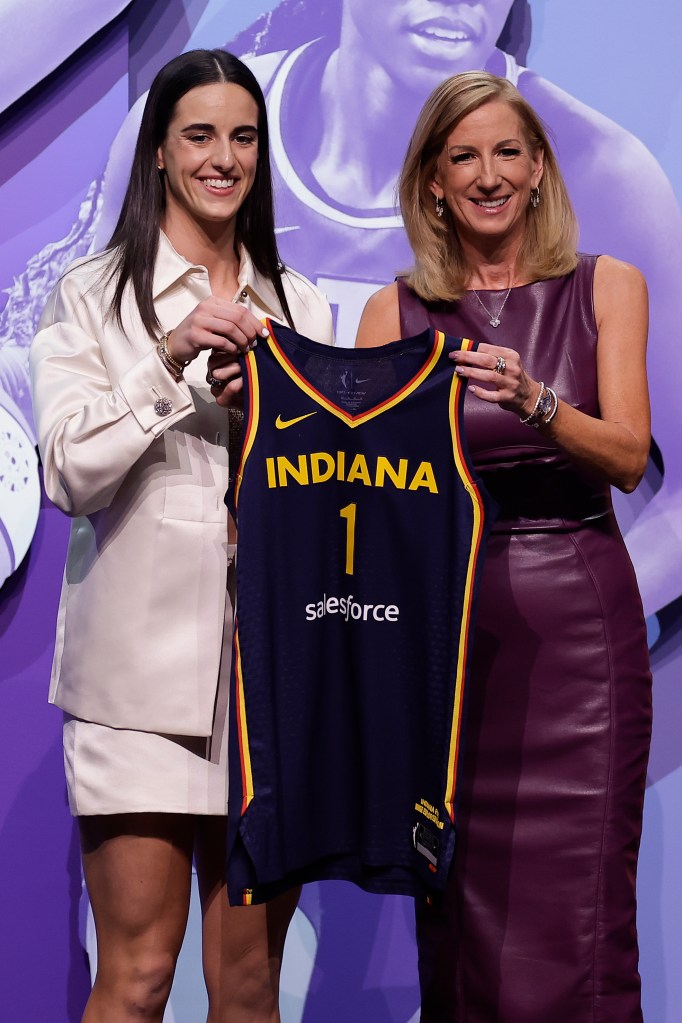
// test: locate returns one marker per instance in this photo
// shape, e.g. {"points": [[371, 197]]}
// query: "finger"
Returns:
{"points": [[222, 375], [237, 342], [220, 360], [236, 316], [231, 394], [493, 396], [481, 373], [234, 329], [462, 360], [485, 349], [490, 364], [471, 359], [229, 372], [228, 337], [202, 335]]}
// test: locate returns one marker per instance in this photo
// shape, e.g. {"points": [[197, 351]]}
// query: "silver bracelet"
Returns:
{"points": [[532, 418], [555, 405]]}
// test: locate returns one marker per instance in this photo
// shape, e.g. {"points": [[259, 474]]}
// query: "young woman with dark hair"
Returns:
{"points": [[136, 450], [136, 236]]}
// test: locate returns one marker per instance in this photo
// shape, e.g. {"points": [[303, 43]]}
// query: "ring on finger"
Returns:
{"points": [[213, 381], [500, 365]]}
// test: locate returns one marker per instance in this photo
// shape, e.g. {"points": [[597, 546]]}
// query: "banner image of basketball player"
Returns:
{"points": [[344, 81], [35, 41]]}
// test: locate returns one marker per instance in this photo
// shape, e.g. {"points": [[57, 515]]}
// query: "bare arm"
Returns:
{"points": [[380, 320], [615, 446]]}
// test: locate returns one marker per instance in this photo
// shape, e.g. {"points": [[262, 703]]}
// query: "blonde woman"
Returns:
{"points": [[538, 922]]}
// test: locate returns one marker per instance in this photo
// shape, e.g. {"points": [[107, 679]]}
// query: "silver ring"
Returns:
{"points": [[214, 382], [500, 365]]}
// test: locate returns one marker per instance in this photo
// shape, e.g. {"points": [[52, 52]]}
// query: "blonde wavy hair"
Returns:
{"points": [[440, 272]]}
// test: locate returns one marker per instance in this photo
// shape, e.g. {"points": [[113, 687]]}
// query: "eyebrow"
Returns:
{"points": [[502, 142], [211, 127]]}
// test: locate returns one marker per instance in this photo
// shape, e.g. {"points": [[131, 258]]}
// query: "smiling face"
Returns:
{"points": [[485, 173], [424, 41], [209, 155]]}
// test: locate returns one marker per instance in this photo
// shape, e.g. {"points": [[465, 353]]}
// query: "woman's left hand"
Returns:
{"points": [[224, 368], [497, 375]]}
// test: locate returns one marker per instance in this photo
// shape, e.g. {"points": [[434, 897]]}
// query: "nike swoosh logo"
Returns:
{"points": [[282, 424], [363, 381]]}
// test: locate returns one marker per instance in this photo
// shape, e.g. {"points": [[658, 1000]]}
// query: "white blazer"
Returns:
{"points": [[143, 600]]}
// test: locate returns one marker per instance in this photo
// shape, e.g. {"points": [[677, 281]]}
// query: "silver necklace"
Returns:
{"points": [[494, 320]]}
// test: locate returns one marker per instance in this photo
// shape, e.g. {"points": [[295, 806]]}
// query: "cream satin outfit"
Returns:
{"points": [[144, 624]]}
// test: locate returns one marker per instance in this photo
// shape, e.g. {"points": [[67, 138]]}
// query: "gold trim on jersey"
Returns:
{"points": [[468, 595], [361, 417]]}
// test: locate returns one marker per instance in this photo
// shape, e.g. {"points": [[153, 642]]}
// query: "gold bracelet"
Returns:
{"points": [[172, 369], [171, 363], [163, 349]]}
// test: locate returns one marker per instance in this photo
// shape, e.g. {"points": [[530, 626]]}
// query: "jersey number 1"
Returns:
{"points": [[348, 513]]}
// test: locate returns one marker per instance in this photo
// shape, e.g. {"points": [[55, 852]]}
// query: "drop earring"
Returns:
{"points": [[535, 197], [440, 207]]}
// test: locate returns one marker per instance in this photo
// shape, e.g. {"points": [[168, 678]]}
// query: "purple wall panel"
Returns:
{"points": [[43, 970]]}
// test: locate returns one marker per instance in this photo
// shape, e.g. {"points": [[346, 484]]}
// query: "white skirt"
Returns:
{"points": [[118, 770]]}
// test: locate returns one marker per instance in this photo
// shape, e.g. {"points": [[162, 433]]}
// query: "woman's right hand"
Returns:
{"points": [[215, 324]]}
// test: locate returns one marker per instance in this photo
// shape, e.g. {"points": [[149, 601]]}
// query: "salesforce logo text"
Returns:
{"points": [[351, 610]]}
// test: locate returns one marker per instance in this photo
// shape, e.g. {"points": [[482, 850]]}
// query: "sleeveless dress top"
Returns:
{"points": [[538, 923]]}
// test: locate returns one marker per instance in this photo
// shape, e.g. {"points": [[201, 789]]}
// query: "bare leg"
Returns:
{"points": [[243, 945], [138, 872]]}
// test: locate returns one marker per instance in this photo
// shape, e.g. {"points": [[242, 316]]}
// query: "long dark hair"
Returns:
{"points": [[294, 22], [136, 236]]}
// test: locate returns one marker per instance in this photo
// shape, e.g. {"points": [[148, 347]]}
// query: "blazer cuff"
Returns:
{"points": [[156, 400]]}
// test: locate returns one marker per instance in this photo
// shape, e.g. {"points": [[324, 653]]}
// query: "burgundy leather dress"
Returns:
{"points": [[538, 924]]}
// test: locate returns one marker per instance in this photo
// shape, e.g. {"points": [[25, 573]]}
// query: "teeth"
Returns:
{"points": [[490, 203], [453, 35], [219, 182]]}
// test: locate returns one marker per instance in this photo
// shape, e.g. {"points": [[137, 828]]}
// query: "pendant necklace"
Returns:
{"points": [[494, 321]]}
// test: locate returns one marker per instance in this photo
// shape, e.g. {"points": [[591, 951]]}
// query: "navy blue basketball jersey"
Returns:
{"points": [[361, 532]]}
